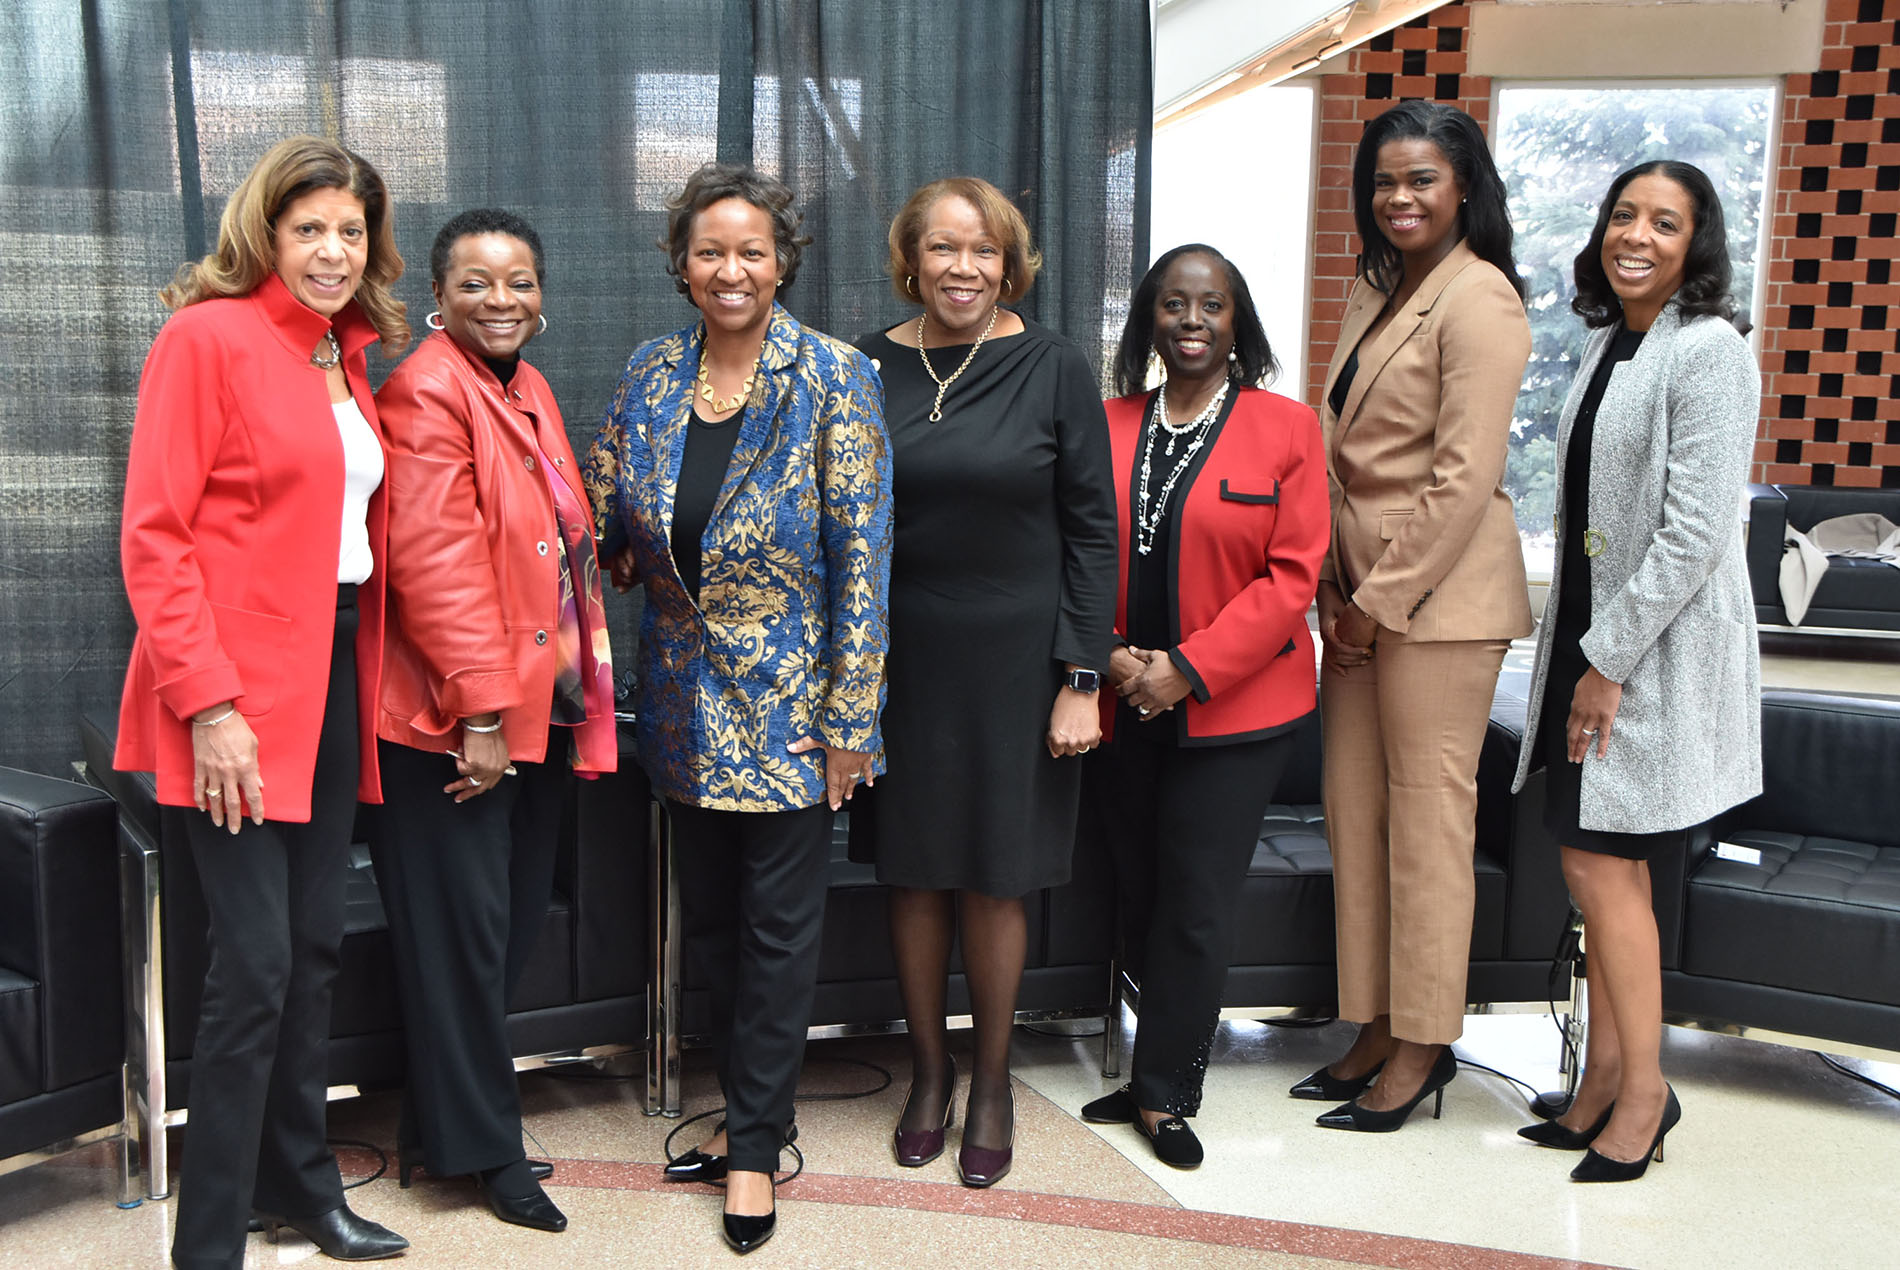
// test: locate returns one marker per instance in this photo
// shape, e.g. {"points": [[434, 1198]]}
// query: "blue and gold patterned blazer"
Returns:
{"points": [[789, 637]]}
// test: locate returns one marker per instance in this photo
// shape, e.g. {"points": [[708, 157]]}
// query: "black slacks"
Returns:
{"points": [[466, 887], [260, 1065], [1181, 824], [753, 890]]}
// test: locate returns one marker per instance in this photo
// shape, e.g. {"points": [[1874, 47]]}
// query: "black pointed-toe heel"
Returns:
{"points": [[1548, 1133], [1323, 1086], [1116, 1108], [915, 1148], [532, 1208], [408, 1160], [1361, 1120], [340, 1234], [1601, 1168], [745, 1233], [697, 1165]]}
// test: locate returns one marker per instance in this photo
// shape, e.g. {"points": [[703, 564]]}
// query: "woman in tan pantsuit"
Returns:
{"points": [[1421, 594]]}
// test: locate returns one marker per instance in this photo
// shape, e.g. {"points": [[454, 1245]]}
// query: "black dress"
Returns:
{"points": [[1563, 780], [1002, 569]]}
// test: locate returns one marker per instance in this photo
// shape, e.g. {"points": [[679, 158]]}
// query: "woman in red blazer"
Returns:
{"points": [[496, 685], [252, 547], [1222, 509]]}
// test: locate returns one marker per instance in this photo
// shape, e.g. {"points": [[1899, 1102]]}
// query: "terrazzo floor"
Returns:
{"points": [[1780, 1161]]}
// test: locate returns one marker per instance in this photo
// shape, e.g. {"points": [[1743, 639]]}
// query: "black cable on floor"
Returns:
{"points": [[1297, 1023], [382, 1159], [666, 1148], [1033, 1030], [1851, 1074], [1465, 1062]]}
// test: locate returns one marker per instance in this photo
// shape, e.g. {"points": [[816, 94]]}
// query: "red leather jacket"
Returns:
{"points": [[474, 552], [233, 519]]}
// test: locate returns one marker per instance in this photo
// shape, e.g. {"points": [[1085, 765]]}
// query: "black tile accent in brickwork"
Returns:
{"points": [[1878, 272], [1827, 431], [1881, 225], [1824, 84], [1845, 248], [1873, 318], [1854, 154], [1445, 88], [1380, 43], [1813, 180], [1847, 202], [1859, 106], [1866, 409], [1793, 406], [1867, 362], [1788, 451], [1412, 62], [1871, 10], [1834, 340], [1821, 474], [1801, 317], [1450, 39], [1807, 271], [1860, 453], [1890, 478], [1806, 224], [1887, 178], [1866, 58], [1893, 432], [1840, 294], [1795, 361], [1830, 385], [1378, 87], [1820, 132]]}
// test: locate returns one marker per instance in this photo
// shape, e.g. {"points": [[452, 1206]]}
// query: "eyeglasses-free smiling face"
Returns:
{"points": [[732, 268], [490, 296], [959, 269], [322, 247], [1416, 197], [1646, 246], [1194, 317]]}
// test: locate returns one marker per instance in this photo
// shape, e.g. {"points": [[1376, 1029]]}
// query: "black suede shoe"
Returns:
{"points": [[1323, 1086], [1364, 1120], [1115, 1108], [516, 1197], [1549, 1133], [340, 1234], [1173, 1142]]}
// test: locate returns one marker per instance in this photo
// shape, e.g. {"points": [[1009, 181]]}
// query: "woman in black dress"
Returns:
{"points": [[1002, 596]]}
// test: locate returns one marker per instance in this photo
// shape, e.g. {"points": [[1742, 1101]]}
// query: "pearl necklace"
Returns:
{"points": [[1148, 518], [943, 385]]}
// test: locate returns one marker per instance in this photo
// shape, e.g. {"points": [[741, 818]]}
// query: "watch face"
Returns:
{"points": [[1085, 680]]}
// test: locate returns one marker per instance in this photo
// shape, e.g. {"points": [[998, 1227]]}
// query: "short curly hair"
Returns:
{"points": [[475, 222], [1021, 260], [716, 182]]}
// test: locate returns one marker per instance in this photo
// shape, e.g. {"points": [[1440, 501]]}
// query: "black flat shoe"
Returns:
{"points": [[532, 1209], [743, 1233], [1323, 1086], [1601, 1168], [1361, 1120], [409, 1159], [1548, 1133], [1116, 1108], [1173, 1142], [340, 1234]]}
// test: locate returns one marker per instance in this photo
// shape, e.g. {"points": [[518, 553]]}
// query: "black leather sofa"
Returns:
{"points": [[1854, 595], [1803, 947], [61, 1023], [583, 993], [1284, 956]]}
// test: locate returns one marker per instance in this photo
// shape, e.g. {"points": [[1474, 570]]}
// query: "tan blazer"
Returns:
{"points": [[1424, 539]]}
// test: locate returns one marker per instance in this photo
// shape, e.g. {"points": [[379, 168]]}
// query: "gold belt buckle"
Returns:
{"points": [[1594, 542]]}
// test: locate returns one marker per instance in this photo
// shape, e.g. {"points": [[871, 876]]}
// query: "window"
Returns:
{"points": [[1558, 148]]}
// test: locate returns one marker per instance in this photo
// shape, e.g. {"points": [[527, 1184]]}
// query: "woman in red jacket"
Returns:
{"points": [[1223, 519], [252, 547], [496, 685]]}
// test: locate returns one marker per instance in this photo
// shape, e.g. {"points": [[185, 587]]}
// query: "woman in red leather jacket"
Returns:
{"points": [[1222, 506], [252, 547], [496, 685]]}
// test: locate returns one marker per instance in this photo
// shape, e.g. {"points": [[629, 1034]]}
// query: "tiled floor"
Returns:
{"points": [[1779, 1161]]}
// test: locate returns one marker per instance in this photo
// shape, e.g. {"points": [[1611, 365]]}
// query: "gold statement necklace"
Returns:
{"points": [[722, 404], [943, 385]]}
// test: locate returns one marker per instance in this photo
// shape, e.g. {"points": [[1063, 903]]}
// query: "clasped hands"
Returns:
{"points": [[1347, 632], [1147, 679]]}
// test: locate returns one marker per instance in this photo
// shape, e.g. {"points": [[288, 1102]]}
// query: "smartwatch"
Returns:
{"points": [[1083, 680]]}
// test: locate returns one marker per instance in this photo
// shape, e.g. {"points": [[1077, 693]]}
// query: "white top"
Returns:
{"points": [[362, 473]]}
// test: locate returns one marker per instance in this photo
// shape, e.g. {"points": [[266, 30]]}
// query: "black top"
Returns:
{"points": [[703, 466], [1003, 566], [504, 367], [1576, 491], [1342, 387]]}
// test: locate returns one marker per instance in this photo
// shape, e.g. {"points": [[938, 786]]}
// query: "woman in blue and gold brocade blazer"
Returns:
{"points": [[742, 475]]}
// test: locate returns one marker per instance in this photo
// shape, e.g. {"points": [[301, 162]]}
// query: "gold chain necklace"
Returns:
{"points": [[722, 404], [943, 385]]}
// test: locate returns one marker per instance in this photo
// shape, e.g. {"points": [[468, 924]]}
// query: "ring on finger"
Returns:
{"points": [[213, 791], [474, 782]]}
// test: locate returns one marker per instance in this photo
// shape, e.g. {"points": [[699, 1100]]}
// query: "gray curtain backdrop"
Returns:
{"points": [[126, 124]]}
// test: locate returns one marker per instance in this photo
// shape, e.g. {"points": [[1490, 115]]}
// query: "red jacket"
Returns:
{"points": [[229, 541], [1249, 539], [474, 552]]}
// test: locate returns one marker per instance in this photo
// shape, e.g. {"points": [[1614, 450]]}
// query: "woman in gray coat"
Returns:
{"points": [[1645, 697]]}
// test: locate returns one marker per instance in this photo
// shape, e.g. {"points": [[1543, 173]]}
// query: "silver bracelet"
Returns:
{"points": [[481, 731], [208, 723]]}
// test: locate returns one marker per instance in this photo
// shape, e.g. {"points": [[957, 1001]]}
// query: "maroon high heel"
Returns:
{"points": [[979, 1167], [917, 1147]]}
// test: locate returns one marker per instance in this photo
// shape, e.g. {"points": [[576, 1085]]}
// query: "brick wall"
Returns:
{"points": [[1830, 352]]}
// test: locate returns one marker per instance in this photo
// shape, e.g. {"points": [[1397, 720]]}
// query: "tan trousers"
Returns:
{"points": [[1402, 736]]}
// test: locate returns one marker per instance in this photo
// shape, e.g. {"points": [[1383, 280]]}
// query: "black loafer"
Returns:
{"points": [[340, 1234], [1174, 1142], [1115, 1108]]}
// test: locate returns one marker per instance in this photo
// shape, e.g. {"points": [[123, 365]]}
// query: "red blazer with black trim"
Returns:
{"points": [[1252, 530], [232, 525]]}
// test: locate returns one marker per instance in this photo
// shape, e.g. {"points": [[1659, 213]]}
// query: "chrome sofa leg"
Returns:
{"points": [[1112, 1023], [663, 984]]}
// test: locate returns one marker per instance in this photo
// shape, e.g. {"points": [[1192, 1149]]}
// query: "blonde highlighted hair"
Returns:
{"points": [[1005, 224], [247, 250]]}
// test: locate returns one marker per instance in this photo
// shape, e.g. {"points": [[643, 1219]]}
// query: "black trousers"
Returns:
{"points": [[1181, 824], [466, 887], [260, 1064], [753, 891]]}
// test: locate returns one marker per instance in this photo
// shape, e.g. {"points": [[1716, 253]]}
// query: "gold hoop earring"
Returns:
{"points": [[910, 287], [1005, 284]]}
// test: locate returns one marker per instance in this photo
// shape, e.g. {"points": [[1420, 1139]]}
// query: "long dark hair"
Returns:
{"points": [[1253, 356], [1706, 273], [1487, 219]]}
